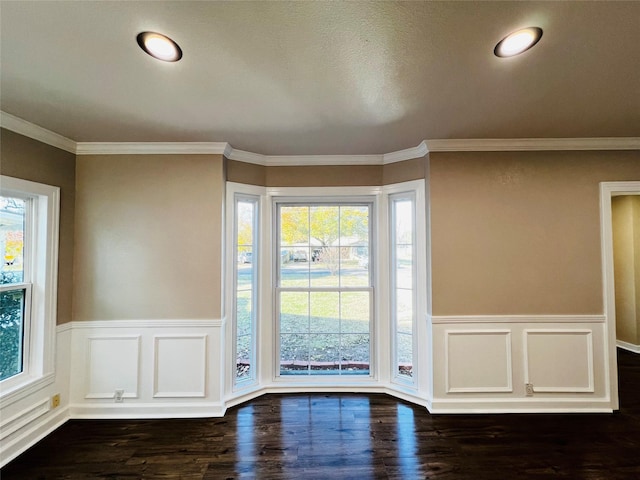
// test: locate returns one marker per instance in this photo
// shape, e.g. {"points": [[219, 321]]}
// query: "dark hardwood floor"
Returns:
{"points": [[339, 436]]}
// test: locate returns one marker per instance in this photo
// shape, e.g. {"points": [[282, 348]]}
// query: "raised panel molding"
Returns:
{"points": [[180, 366], [24, 418], [559, 360], [113, 363], [468, 368]]}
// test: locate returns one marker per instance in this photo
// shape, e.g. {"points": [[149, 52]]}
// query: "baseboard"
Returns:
{"points": [[146, 410], [32, 435], [409, 397], [628, 346], [523, 405]]}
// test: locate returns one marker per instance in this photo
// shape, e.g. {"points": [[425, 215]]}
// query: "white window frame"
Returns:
{"points": [[41, 282], [416, 190], [267, 368], [396, 377], [234, 388], [327, 199], [251, 379]]}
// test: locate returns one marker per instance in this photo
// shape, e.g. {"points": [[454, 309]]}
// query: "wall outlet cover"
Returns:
{"points": [[118, 396]]}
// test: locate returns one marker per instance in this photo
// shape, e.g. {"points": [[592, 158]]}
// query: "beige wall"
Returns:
{"points": [[149, 232], [414, 169], [326, 176], [626, 257], [28, 159], [519, 232]]}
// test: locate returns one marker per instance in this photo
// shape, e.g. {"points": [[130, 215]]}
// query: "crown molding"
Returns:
{"points": [[308, 160], [28, 129], [311, 160], [532, 144], [303, 160], [246, 157], [407, 154], [150, 148], [31, 130]]}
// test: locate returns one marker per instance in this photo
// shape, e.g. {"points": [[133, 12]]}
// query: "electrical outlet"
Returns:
{"points": [[118, 396], [528, 389], [55, 401]]}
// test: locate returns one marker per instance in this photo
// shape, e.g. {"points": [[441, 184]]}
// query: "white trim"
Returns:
{"points": [[447, 381], [247, 157], [608, 190], [27, 439], [455, 319], [160, 323], [30, 130], [22, 391], [64, 327], [23, 418], [236, 197], [628, 346], [322, 160], [299, 160], [156, 370], [590, 388], [142, 148], [407, 154], [88, 363], [339, 193], [304, 160], [532, 144], [43, 220], [99, 411], [230, 387], [474, 407]]}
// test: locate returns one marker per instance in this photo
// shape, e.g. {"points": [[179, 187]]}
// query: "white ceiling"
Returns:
{"points": [[320, 78]]}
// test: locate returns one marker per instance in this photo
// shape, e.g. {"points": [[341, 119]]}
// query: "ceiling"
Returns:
{"points": [[320, 78]]}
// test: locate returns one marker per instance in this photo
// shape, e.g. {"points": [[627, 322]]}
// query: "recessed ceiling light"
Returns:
{"points": [[159, 46], [518, 42]]}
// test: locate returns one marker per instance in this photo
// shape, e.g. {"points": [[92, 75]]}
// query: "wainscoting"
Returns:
{"points": [[175, 369], [147, 369], [30, 416], [520, 364]]}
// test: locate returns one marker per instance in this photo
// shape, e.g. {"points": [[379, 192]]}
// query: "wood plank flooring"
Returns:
{"points": [[348, 436]]}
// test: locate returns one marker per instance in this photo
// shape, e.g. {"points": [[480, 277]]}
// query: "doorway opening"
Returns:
{"points": [[609, 191]]}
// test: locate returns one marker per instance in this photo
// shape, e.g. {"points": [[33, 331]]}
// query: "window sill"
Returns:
{"points": [[22, 390]]}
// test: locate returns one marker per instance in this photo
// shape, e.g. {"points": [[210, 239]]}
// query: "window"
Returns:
{"points": [[15, 285], [324, 290], [325, 287], [246, 292], [28, 278], [403, 283]]}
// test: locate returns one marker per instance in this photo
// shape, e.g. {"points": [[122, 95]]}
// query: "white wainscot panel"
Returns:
{"points": [[113, 364], [180, 366], [559, 360], [478, 361]]}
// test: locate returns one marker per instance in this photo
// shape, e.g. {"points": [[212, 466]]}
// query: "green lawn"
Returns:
{"points": [[319, 326]]}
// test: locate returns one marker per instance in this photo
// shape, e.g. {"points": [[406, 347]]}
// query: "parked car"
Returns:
{"points": [[300, 256], [245, 257]]}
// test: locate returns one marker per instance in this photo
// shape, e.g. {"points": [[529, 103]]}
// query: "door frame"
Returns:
{"points": [[608, 190]]}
